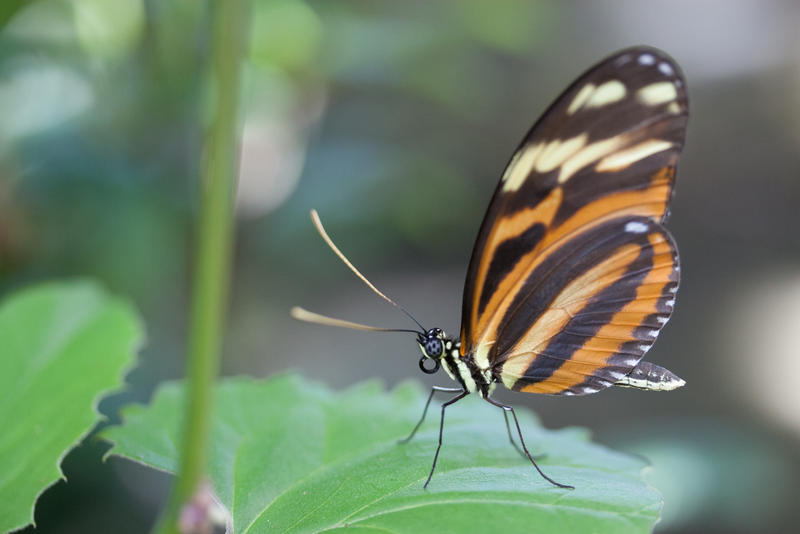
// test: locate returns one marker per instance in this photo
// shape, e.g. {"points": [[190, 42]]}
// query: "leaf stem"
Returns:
{"points": [[214, 241]]}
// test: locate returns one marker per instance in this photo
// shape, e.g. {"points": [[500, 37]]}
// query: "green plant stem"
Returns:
{"points": [[213, 253], [10, 8]]}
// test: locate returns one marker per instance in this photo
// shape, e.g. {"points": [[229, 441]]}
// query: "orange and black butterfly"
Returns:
{"points": [[573, 274]]}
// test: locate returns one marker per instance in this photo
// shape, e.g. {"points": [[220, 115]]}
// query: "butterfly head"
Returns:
{"points": [[431, 343]]}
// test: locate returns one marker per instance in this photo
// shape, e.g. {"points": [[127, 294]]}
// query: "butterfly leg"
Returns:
{"points": [[455, 399], [514, 443], [434, 389], [522, 441], [511, 437]]}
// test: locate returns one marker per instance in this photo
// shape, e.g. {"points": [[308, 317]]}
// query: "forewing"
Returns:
{"points": [[604, 151]]}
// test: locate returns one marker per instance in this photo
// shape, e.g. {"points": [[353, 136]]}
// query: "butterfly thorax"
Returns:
{"points": [[461, 368]]}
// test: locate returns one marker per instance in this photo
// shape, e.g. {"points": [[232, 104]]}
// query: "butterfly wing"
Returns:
{"points": [[572, 275]]}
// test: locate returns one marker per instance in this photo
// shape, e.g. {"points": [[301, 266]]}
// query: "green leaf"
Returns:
{"points": [[61, 346], [288, 455]]}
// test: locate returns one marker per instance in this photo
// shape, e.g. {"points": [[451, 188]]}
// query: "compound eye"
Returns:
{"points": [[433, 347]]}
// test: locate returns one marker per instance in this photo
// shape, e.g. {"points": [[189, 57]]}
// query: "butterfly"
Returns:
{"points": [[573, 274]]}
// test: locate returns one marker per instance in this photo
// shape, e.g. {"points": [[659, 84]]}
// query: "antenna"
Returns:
{"points": [[318, 224], [310, 317]]}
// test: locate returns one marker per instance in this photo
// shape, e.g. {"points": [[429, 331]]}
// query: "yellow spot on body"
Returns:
{"points": [[657, 93], [520, 167], [624, 158], [608, 93], [580, 99], [482, 355], [674, 108], [588, 155]]}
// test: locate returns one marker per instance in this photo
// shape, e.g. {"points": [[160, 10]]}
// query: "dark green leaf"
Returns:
{"points": [[292, 456]]}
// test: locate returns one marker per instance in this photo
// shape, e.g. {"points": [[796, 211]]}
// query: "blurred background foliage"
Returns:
{"points": [[394, 120]]}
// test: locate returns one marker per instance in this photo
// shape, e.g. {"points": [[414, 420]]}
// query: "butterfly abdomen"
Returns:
{"points": [[651, 377]]}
